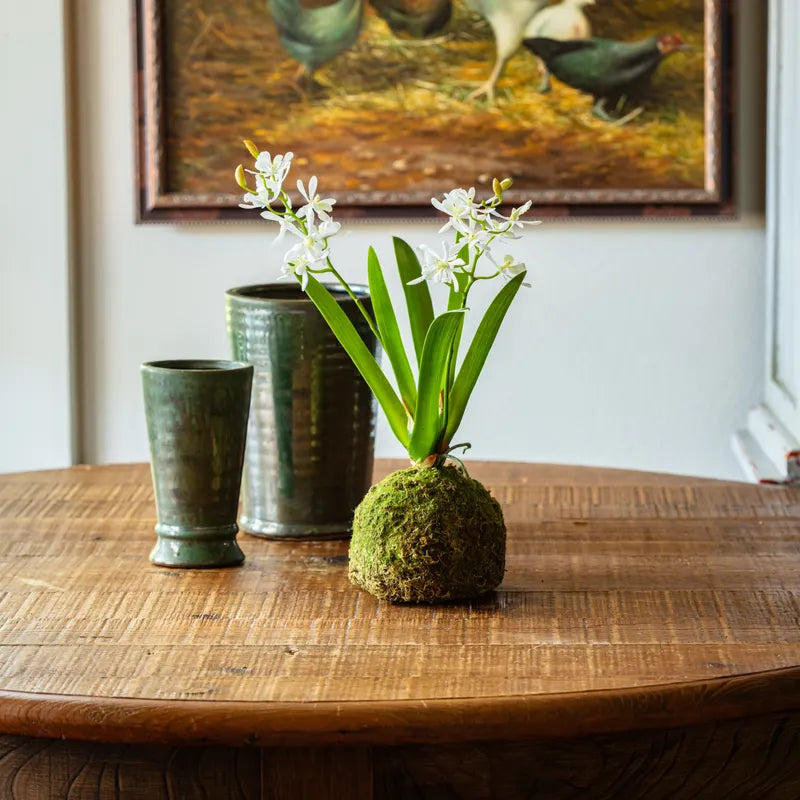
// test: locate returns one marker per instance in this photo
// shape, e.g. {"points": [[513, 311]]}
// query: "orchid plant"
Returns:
{"points": [[426, 409]]}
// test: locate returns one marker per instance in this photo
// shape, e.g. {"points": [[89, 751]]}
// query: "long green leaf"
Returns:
{"points": [[346, 333], [390, 332], [428, 423], [418, 296], [477, 354]]}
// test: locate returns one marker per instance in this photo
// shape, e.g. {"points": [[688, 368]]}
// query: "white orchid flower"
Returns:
{"points": [[314, 203], [274, 170], [509, 267], [265, 194], [473, 234], [516, 213], [440, 268], [269, 175], [459, 205], [286, 223], [313, 239], [328, 228], [506, 226], [298, 261]]}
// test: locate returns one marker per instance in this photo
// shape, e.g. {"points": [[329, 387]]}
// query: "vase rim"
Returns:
{"points": [[289, 293], [196, 365]]}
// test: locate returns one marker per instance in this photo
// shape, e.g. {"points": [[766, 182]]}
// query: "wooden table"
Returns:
{"points": [[645, 643]]}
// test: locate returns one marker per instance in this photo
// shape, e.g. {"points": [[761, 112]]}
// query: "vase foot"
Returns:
{"points": [[205, 548]]}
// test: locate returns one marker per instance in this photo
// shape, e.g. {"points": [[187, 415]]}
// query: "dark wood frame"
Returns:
{"points": [[156, 204]]}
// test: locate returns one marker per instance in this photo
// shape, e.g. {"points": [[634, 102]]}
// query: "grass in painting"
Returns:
{"points": [[392, 115]]}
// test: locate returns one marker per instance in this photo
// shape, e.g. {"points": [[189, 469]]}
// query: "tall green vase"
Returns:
{"points": [[312, 425]]}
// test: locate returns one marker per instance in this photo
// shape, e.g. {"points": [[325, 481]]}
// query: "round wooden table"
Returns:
{"points": [[644, 643]]}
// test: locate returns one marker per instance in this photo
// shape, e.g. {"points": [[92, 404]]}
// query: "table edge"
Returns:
{"points": [[516, 717]]}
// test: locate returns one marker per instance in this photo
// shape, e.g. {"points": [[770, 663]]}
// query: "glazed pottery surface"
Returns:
{"points": [[197, 422], [312, 425]]}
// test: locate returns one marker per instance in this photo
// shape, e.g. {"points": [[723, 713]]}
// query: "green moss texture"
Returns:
{"points": [[428, 535]]}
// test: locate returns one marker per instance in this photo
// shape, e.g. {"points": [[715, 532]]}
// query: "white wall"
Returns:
{"points": [[640, 345], [35, 385]]}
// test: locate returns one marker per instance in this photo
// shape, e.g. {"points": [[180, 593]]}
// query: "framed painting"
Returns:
{"points": [[593, 107]]}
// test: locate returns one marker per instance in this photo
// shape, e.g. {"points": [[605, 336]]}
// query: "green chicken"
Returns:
{"points": [[313, 36]]}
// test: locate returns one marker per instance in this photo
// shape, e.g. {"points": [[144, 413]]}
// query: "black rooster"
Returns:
{"points": [[416, 18], [612, 72]]}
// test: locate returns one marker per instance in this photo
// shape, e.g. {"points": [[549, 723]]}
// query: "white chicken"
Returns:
{"points": [[508, 20], [566, 20]]}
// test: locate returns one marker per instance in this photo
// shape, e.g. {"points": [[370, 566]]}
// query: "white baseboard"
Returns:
{"points": [[765, 450]]}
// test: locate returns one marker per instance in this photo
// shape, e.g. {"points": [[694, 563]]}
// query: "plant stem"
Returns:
{"points": [[470, 282], [358, 303], [441, 445], [289, 212]]}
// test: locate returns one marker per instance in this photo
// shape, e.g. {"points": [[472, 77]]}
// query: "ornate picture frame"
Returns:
{"points": [[212, 72]]}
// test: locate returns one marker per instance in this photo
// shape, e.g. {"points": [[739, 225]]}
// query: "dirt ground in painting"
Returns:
{"points": [[392, 114]]}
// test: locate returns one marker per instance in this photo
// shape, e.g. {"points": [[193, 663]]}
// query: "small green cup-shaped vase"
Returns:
{"points": [[197, 424]]}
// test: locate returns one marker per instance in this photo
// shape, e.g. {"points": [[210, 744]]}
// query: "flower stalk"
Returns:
{"points": [[428, 403]]}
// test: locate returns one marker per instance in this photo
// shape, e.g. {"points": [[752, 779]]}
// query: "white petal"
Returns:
{"points": [[264, 162], [329, 228], [522, 209]]}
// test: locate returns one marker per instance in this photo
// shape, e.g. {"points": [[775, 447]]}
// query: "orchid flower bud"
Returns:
{"points": [[240, 178], [251, 148]]}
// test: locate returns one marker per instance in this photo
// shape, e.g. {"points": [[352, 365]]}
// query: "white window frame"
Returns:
{"points": [[768, 448]]}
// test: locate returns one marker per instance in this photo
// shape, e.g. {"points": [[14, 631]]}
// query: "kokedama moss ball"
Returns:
{"points": [[428, 534]]}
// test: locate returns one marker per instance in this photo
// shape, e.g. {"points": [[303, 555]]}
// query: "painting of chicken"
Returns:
{"points": [[610, 104], [612, 72], [312, 36], [565, 21], [417, 18]]}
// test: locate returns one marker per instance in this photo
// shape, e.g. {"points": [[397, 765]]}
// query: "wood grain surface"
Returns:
{"points": [[756, 761], [630, 601]]}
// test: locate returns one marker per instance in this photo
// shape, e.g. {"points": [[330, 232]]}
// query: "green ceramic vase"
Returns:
{"points": [[197, 424], [311, 433]]}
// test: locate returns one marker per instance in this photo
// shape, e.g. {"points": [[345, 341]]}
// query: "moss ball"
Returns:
{"points": [[427, 535]]}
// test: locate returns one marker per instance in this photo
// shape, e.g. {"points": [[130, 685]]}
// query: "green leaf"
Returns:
{"points": [[365, 362], [390, 332], [428, 423], [418, 296], [477, 354]]}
